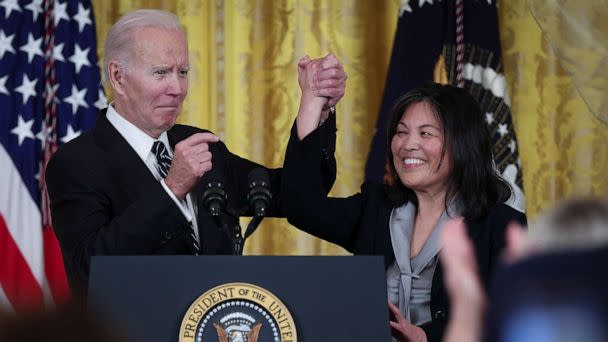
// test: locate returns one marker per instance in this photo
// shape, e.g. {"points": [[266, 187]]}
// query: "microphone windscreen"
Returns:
{"points": [[214, 195]]}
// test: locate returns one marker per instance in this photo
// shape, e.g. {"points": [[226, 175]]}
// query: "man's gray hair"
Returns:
{"points": [[119, 42], [574, 224]]}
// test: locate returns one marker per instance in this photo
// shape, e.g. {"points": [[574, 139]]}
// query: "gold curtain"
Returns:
{"points": [[243, 82], [556, 64]]}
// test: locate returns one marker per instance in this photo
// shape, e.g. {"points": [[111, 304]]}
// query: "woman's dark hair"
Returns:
{"points": [[466, 136]]}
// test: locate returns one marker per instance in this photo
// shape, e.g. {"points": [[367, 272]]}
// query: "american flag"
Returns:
{"points": [[49, 93]]}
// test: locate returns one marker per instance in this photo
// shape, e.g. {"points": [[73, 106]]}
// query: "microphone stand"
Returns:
{"points": [[237, 237], [238, 242], [233, 229]]}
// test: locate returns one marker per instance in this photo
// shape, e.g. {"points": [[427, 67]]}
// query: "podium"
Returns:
{"points": [[272, 298]]}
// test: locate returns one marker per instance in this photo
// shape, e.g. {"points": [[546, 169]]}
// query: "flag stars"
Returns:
{"points": [[83, 17], [70, 134], [3, 89], [101, 102], [405, 7], [489, 118], [42, 137], [422, 2], [76, 99], [58, 53], [37, 175], [502, 129], [60, 12], [80, 57], [512, 145], [9, 7], [6, 44], [33, 47], [23, 129], [27, 88], [35, 7]]}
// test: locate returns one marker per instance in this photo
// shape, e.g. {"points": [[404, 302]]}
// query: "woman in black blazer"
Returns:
{"points": [[440, 158]]}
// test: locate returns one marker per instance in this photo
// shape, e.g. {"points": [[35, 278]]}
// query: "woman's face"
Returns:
{"points": [[417, 151]]}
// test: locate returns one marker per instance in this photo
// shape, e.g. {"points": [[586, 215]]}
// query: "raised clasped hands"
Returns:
{"points": [[322, 82]]}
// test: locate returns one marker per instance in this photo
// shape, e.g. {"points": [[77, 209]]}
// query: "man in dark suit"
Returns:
{"points": [[134, 183]]}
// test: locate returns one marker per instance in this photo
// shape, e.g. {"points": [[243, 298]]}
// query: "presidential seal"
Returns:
{"points": [[237, 312]]}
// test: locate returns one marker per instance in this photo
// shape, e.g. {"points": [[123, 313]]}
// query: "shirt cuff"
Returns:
{"points": [[332, 111], [182, 205]]}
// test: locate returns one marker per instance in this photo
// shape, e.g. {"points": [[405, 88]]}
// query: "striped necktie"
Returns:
{"points": [[163, 160]]}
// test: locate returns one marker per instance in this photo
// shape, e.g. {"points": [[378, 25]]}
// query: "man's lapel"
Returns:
{"points": [[126, 165]]}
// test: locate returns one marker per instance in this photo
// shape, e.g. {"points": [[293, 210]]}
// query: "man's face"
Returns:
{"points": [[155, 82]]}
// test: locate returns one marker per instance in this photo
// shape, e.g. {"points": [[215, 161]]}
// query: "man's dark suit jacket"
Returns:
{"points": [[360, 223], [105, 200]]}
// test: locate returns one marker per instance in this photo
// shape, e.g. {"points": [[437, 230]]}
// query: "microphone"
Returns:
{"points": [[215, 200], [214, 196], [259, 197]]}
